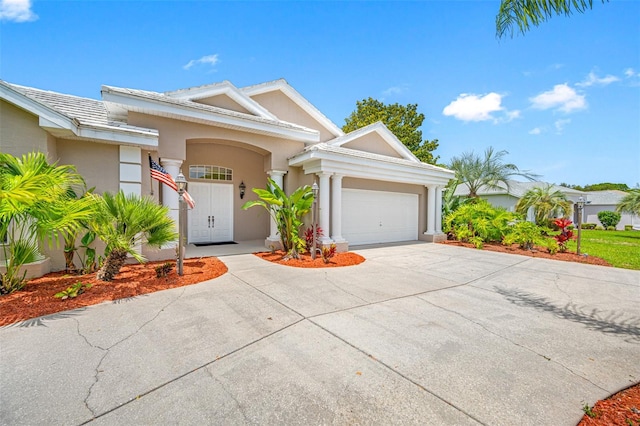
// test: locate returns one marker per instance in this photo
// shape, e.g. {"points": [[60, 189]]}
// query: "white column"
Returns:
{"points": [[336, 209], [324, 206], [438, 210], [277, 176], [169, 196], [431, 209]]}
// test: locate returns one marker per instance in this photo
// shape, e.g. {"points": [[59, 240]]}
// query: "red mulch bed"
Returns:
{"points": [[536, 252], [622, 409], [305, 261], [36, 298]]}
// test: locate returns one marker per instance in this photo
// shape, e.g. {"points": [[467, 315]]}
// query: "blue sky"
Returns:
{"points": [[563, 99]]}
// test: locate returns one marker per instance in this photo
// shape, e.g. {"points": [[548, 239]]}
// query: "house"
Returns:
{"points": [[598, 201], [507, 196], [372, 189]]}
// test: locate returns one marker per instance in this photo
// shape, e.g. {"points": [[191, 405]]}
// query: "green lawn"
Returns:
{"points": [[619, 248]]}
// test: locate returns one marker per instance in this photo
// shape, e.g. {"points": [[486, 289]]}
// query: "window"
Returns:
{"points": [[210, 173]]}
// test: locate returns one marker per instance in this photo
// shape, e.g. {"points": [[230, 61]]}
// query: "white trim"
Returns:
{"points": [[382, 130], [184, 112], [297, 98], [223, 88]]}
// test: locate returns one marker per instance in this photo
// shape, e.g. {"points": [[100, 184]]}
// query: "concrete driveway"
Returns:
{"points": [[417, 334]]}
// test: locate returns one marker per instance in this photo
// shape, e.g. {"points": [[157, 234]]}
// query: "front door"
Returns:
{"points": [[211, 221]]}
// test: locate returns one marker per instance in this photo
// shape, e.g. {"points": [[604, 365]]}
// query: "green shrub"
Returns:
{"points": [[599, 228], [608, 218], [588, 226], [526, 235], [479, 222], [611, 228], [628, 227]]}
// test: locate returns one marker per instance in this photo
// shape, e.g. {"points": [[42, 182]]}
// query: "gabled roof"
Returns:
{"points": [[119, 100], [75, 117], [381, 130], [324, 157], [222, 88], [518, 189], [297, 98], [605, 198]]}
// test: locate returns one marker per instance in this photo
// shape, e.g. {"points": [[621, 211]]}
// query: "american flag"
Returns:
{"points": [[160, 174]]}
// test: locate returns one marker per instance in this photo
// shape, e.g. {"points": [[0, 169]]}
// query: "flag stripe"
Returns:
{"points": [[161, 175]]}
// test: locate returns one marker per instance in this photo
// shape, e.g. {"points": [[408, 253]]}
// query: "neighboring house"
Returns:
{"points": [[508, 196], [372, 188], [598, 201]]}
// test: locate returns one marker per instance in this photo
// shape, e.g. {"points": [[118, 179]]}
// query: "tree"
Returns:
{"points": [[34, 206], [608, 218], [604, 186], [402, 120], [630, 203], [126, 221], [476, 172], [525, 13], [546, 204], [287, 212]]}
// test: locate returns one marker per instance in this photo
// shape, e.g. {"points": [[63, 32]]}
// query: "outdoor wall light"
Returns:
{"points": [[242, 189]]}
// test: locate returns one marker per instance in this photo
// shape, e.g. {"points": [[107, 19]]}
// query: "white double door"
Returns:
{"points": [[211, 221]]}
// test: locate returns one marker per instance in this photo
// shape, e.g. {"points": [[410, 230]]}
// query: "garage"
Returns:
{"points": [[378, 216]]}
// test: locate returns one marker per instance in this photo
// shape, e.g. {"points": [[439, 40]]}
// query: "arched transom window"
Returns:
{"points": [[208, 172]]}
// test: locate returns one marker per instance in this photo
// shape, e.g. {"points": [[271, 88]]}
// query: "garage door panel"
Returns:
{"points": [[378, 216]]}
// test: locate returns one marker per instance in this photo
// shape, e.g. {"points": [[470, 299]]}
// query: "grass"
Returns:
{"points": [[619, 248]]}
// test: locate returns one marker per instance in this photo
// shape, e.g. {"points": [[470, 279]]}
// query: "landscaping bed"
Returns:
{"points": [[305, 261]]}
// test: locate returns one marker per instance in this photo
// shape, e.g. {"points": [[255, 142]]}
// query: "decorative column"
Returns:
{"points": [[438, 210], [273, 238], [324, 206], [336, 209], [169, 196], [431, 209]]}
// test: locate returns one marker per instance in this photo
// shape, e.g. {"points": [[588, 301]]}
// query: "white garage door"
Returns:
{"points": [[378, 217]]}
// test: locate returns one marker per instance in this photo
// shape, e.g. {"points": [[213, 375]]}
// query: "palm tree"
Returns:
{"points": [[287, 212], [34, 205], [126, 221], [534, 12], [630, 203], [546, 203], [476, 172]]}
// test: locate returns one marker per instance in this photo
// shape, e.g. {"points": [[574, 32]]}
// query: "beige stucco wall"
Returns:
{"points": [[247, 165], [173, 133], [285, 109], [223, 101], [97, 163], [20, 132], [373, 143]]}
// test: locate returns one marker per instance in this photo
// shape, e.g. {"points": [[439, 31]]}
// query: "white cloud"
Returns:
{"points": [[211, 60], [535, 131], [469, 107], [395, 90], [560, 124], [630, 73], [512, 115], [592, 79], [562, 97], [16, 11]]}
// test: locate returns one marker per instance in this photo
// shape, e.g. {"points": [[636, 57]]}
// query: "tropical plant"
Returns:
{"points": [[35, 207], [70, 238], [163, 270], [523, 14], [630, 203], [72, 291], [479, 222], [476, 172], [608, 218], [287, 212], [308, 237], [546, 202], [526, 235], [565, 234], [328, 252], [402, 120], [124, 222]]}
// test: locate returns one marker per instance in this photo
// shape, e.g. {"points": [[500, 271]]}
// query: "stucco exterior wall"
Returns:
{"points": [[285, 109], [173, 134], [591, 216], [20, 131], [506, 201], [223, 101], [97, 163], [373, 143], [251, 224]]}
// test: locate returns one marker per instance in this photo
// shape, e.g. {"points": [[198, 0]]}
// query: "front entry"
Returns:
{"points": [[211, 221]]}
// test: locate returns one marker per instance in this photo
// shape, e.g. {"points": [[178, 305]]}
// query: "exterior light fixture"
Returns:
{"points": [[242, 189], [181, 183], [314, 190]]}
